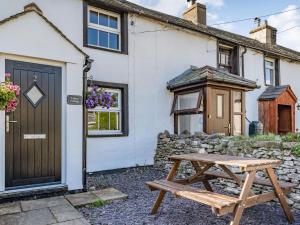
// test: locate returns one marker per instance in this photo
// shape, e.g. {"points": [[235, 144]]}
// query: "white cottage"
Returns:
{"points": [[141, 57]]}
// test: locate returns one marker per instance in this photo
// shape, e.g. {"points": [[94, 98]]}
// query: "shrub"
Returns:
{"points": [[98, 203], [296, 150]]}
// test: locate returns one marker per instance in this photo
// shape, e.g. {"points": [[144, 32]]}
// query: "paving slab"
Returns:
{"points": [[35, 217], [43, 203], [64, 213], [110, 194], [74, 222], [82, 199], [10, 208]]}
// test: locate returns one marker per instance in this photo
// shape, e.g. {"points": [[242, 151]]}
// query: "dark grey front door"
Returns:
{"points": [[33, 131]]}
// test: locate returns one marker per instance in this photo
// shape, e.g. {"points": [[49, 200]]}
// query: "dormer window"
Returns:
{"points": [[104, 29], [228, 58]]}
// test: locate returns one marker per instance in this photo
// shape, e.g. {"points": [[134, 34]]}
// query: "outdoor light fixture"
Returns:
{"points": [[298, 106]]}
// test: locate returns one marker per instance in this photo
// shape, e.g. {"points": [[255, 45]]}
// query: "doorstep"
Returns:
{"points": [[18, 194]]}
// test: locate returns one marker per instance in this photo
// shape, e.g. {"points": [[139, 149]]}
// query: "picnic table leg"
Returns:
{"points": [[243, 197], [162, 194], [205, 182], [280, 195]]}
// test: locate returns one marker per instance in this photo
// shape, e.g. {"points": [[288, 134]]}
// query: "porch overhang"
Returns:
{"points": [[209, 76]]}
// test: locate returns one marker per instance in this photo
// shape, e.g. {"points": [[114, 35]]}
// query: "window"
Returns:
{"points": [[237, 113], [188, 112], [269, 72], [220, 106], [228, 58], [104, 29], [112, 121]]}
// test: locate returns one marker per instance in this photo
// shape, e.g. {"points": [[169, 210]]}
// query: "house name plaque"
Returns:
{"points": [[74, 100]]}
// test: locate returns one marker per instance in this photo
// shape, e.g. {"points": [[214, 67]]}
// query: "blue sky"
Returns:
{"points": [[228, 10]]}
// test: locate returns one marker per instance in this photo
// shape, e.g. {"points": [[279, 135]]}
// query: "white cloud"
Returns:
{"points": [[286, 21], [174, 7]]}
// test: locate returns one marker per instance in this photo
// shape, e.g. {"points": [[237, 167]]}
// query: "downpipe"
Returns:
{"points": [[86, 68]]}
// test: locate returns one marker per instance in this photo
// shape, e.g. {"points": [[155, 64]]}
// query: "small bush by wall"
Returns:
{"points": [[287, 152]]}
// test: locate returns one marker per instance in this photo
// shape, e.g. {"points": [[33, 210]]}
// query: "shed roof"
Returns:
{"points": [[272, 93], [196, 75], [123, 5]]}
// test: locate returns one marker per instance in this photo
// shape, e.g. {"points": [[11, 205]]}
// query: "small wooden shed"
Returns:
{"points": [[277, 109]]}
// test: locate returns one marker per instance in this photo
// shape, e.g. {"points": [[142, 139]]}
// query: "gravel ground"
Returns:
{"points": [[135, 210]]}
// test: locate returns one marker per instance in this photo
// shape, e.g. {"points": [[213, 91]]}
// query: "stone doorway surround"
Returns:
{"points": [[55, 210]]}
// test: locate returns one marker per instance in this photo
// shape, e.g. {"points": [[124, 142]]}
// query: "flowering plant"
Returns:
{"points": [[8, 94], [98, 97]]}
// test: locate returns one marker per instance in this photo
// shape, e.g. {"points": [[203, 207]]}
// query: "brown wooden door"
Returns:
{"points": [[220, 112], [284, 119], [33, 131]]}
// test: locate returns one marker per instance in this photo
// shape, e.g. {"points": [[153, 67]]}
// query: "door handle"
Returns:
{"points": [[229, 128], [8, 122]]}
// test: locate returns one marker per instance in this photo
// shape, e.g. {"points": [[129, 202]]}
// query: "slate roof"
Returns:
{"points": [[196, 75], [272, 93], [123, 5]]}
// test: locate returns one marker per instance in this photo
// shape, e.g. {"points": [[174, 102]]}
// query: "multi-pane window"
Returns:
{"points": [[225, 59], [228, 58], [188, 112], [107, 120], [104, 29], [270, 72], [237, 113]]}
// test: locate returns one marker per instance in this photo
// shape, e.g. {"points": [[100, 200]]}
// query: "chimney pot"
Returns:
{"points": [[195, 13]]}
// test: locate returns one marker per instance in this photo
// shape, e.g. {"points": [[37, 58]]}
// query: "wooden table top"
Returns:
{"points": [[227, 160]]}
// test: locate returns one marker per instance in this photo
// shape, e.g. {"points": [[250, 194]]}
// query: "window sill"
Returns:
{"points": [[107, 135], [106, 49]]}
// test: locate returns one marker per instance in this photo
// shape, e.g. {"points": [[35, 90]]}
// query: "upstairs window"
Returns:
{"points": [[228, 58], [104, 29], [271, 72]]}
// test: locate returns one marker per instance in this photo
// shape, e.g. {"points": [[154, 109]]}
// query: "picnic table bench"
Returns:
{"points": [[220, 203]]}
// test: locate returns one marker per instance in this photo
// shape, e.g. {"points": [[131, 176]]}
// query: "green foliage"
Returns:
{"points": [[98, 203], [6, 95], [296, 150], [291, 137], [264, 137]]}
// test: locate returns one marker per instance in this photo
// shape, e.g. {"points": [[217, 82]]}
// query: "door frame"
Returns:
{"points": [[25, 59]]}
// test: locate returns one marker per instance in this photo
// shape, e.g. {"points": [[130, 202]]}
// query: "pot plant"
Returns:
{"points": [[9, 93], [98, 97]]}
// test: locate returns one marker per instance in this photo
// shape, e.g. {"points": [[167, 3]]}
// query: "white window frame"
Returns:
{"points": [[268, 67], [105, 28], [112, 109]]}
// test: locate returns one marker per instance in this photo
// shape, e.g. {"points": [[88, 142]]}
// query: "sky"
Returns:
{"points": [[219, 11]]}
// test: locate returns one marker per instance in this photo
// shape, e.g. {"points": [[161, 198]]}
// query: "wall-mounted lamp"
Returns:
{"points": [[298, 106]]}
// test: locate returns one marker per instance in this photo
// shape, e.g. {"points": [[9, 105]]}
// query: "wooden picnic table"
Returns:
{"points": [[220, 203]]}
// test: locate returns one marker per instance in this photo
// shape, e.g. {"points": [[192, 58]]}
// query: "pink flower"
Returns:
{"points": [[7, 75]]}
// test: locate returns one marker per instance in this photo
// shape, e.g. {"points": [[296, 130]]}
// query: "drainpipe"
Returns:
{"points": [[86, 68], [243, 61]]}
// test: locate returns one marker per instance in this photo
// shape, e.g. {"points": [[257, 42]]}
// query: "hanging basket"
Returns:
{"points": [[8, 95], [98, 97]]}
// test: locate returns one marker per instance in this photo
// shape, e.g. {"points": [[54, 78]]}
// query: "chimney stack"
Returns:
{"points": [[264, 33], [196, 12]]}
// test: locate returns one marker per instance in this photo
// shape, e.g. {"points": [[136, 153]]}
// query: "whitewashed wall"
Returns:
{"points": [[154, 59], [31, 39], [254, 70]]}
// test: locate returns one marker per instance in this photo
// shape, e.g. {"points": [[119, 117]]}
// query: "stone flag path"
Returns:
{"points": [[55, 210]]}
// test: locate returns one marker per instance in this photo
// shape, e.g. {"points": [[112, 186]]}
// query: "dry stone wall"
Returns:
{"points": [[288, 171]]}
